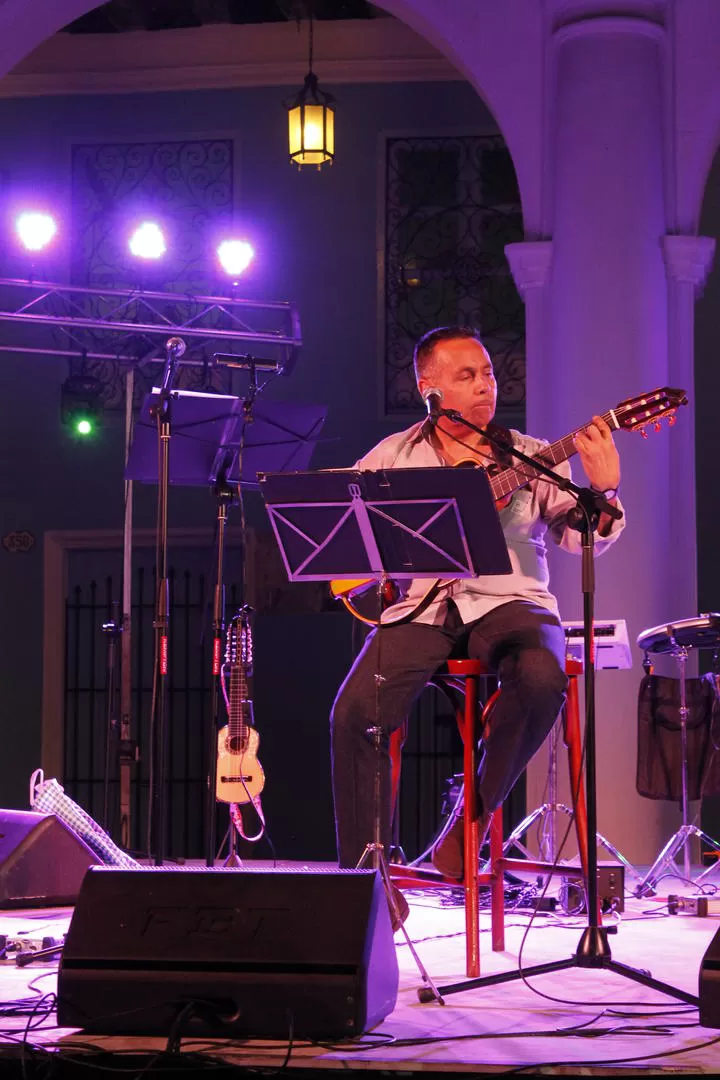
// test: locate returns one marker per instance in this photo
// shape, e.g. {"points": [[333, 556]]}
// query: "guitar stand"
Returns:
{"points": [[233, 859]]}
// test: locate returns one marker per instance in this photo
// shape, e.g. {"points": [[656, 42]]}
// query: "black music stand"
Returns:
{"points": [[274, 436], [399, 523], [221, 441]]}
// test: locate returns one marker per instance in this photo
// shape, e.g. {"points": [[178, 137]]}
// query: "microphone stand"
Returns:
{"points": [[159, 733], [593, 950], [224, 495]]}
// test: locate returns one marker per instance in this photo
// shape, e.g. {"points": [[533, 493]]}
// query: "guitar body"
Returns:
{"points": [[240, 777], [359, 595]]}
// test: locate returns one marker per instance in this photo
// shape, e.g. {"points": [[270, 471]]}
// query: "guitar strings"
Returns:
{"points": [[517, 467]]}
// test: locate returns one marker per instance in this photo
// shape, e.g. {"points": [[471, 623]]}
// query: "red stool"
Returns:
{"points": [[460, 681]]}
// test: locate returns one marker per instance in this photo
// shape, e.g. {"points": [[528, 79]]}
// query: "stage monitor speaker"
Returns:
{"points": [[42, 861], [710, 985], [229, 952]]}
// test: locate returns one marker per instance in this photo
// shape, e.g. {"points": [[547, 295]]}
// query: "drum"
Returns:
{"points": [[701, 632]]}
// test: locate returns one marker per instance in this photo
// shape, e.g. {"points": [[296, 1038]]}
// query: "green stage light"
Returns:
{"points": [[80, 405], [84, 426]]}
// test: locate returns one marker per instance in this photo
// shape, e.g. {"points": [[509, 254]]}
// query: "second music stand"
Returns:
{"points": [[221, 441]]}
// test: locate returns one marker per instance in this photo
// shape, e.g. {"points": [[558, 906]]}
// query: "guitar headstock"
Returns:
{"points": [[239, 641], [636, 413]]}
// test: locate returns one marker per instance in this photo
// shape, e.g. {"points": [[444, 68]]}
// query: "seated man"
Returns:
{"points": [[510, 622]]}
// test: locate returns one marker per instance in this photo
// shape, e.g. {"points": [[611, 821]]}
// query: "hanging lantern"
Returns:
{"points": [[311, 121]]}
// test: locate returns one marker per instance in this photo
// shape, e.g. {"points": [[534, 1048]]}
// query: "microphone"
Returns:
{"points": [[175, 346], [432, 398]]}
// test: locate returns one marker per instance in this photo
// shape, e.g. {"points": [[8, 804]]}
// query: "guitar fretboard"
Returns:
{"points": [[516, 476]]}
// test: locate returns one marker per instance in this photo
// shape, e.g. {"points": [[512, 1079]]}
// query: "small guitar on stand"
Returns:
{"points": [[633, 414], [240, 777]]}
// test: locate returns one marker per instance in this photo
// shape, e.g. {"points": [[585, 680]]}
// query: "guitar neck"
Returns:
{"points": [[516, 476], [237, 702]]}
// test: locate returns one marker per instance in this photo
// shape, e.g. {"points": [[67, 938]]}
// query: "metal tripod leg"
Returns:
{"points": [[676, 843], [374, 855], [548, 810], [714, 846], [374, 852], [538, 814], [612, 850]]}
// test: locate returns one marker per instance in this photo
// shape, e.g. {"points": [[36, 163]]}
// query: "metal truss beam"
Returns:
{"points": [[133, 325]]}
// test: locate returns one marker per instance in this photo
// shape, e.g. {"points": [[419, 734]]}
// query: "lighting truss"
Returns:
{"points": [[133, 325]]}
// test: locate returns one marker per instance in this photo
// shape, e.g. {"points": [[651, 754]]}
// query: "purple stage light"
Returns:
{"points": [[148, 242], [235, 256], [35, 230]]}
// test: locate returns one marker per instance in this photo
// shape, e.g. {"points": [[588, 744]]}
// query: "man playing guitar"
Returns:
{"points": [[510, 622]]}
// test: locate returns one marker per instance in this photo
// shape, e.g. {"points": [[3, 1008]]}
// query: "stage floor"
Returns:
{"points": [[565, 1022]]}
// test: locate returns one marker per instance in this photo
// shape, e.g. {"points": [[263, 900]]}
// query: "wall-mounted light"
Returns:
{"points": [[311, 120]]}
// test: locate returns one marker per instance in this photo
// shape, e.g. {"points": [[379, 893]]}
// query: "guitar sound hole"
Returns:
{"points": [[236, 744]]}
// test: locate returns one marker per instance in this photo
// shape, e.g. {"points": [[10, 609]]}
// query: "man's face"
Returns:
{"points": [[463, 371]]}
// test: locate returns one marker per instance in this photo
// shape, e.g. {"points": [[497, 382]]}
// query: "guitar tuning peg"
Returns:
{"points": [[657, 425], [643, 433], [671, 419]]}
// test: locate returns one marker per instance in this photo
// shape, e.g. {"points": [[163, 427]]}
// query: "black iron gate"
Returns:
{"points": [[300, 661]]}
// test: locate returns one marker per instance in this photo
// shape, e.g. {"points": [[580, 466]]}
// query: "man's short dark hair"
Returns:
{"points": [[423, 352]]}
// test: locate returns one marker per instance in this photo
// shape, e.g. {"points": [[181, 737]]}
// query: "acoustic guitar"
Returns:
{"points": [[240, 777], [634, 414]]}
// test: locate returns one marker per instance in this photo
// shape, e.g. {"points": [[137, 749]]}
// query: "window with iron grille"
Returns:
{"points": [[451, 206]]}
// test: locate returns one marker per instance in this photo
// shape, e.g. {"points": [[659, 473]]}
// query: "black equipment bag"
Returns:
{"points": [[659, 761]]}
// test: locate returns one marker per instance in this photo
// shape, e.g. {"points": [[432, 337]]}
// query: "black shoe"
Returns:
{"points": [[448, 852], [402, 909]]}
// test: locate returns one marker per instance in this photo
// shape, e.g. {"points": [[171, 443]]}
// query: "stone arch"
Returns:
{"points": [[479, 38]]}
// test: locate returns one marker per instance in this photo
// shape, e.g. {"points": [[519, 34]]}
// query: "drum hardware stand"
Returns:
{"points": [[546, 813], [593, 950], [679, 840]]}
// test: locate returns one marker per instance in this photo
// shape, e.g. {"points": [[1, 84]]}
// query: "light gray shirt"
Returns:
{"points": [[533, 511]]}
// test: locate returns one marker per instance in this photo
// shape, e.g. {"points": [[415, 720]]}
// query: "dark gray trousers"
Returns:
{"points": [[522, 643]]}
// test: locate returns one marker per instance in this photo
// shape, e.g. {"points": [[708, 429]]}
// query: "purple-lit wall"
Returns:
{"points": [[319, 234], [612, 113]]}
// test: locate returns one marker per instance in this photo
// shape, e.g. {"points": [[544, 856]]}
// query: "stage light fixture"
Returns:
{"points": [[311, 120], [235, 256], [148, 242], [35, 229], [81, 409]]}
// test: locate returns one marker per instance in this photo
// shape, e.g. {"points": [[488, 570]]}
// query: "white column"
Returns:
{"points": [[687, 262], [530, 263], [608, 332]]}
